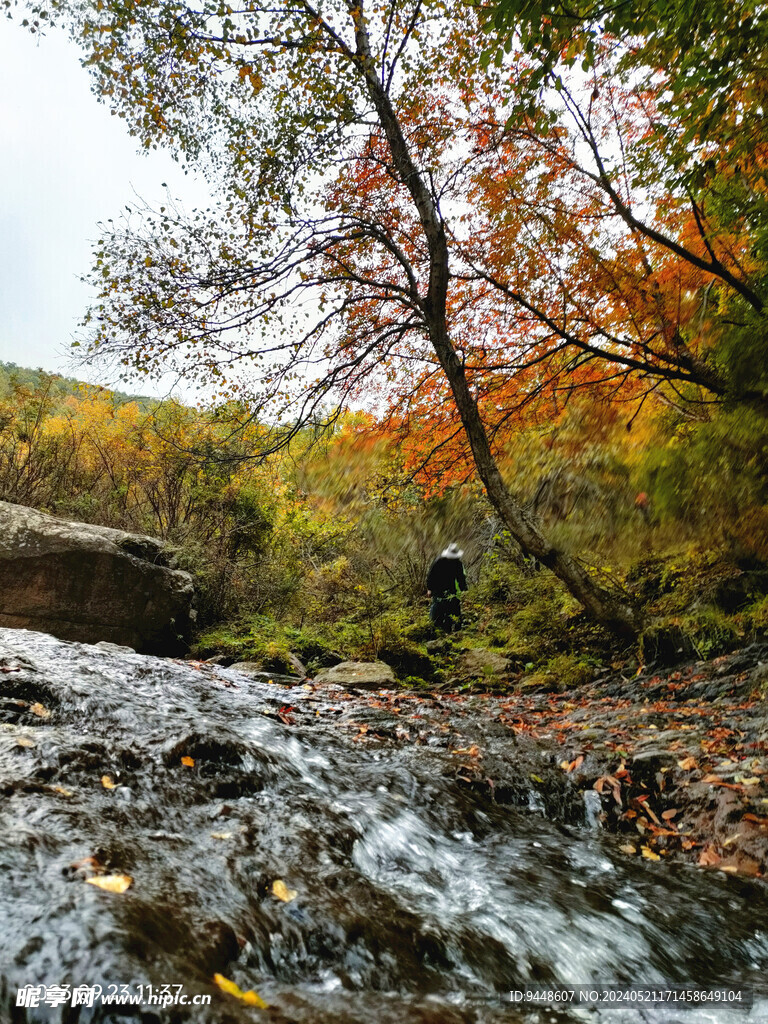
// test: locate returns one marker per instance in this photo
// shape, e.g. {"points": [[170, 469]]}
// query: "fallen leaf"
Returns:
{"points": [[40, 711], [25, 741], [754, 781], [281, 890], [715, 780], [709, 858], [648, 853], [628, 848], [649, 810], [762, 822], [250, 997], [62, 791], [111, 883], [188, 761], [732, 839], [687, 764], [107, 782], [669, 814], [221, 835], [87, 865], [612, 783]]}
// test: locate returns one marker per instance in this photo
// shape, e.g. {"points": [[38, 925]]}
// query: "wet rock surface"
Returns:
{"points": [[439, 851]]}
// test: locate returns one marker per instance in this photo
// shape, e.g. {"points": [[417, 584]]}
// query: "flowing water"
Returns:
{"points": [[417, 898]]}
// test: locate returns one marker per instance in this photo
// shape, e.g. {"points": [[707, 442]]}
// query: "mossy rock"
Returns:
{"points": [[561, 673], [664, 644], [706, 634], [406, 658]]}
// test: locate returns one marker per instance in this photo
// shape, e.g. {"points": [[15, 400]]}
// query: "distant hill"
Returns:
{"points": [[62, 387]]}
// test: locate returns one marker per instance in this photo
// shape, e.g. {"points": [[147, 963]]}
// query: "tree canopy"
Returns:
{"points": [[466, 241]]}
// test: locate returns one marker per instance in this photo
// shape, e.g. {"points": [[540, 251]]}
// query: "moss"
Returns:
{"points": [[562, 672], [406, 657], [416, 682], [706, 633], [260, 638], [711, 633]]}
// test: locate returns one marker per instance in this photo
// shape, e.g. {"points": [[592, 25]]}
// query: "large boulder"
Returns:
{"points": [[90, 583], [358, 675]]}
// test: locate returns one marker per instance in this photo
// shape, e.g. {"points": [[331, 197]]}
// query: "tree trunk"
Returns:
{"points": [[612, 609]]}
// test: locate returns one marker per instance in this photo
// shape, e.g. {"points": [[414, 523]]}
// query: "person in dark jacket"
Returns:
{"points": [[445, 581]]}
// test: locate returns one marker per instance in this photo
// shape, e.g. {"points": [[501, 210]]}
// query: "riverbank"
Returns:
{"points": [[674, 763]]}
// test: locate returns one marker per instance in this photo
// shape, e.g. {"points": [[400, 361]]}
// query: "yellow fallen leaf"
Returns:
{"points": [[687, 764], [250, 997], [628, 848], [188, 761], [25, 741], [648, 853], [281, 890], [40, 711], [108, 782], [60, 789], [753, 781], [111, 883], [221, 835]]}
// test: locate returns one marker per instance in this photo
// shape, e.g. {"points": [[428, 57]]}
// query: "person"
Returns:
{"points": [[445, 581]]}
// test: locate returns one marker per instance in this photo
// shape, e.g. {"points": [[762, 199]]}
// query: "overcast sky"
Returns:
{"points": [[65, 165]]}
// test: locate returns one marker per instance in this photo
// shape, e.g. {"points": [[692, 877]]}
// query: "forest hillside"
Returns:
{"points": [[322, 549]]}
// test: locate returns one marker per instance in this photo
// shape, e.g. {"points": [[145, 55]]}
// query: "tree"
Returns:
{"points": [[688, 173], [341, 258]]}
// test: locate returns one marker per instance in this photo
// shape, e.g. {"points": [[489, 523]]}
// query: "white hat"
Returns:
{"points": [[452, 551]]}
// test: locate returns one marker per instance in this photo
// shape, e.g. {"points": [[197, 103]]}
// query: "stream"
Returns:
{"points": [[417, 898]]}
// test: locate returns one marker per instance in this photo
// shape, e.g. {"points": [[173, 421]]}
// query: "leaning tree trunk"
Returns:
{"points": [[611, 608]]}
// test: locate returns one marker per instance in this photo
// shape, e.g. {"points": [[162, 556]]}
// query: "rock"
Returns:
{"points": [[284, 664], [105, 645], [255, 670], [89, 583], [224, 660], [483, 664], [358, 675], [295, 666], [664, 645]]}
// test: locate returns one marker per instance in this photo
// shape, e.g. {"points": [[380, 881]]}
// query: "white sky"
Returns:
{"points": [[65, 164]]}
